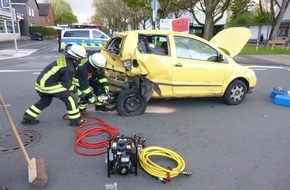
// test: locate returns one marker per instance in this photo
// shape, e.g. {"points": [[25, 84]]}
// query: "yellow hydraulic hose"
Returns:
{"points": [[158, 171]]}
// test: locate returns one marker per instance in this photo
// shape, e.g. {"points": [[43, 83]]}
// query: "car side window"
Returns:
{"points": [[97, 34], [153, 44], [115, 45], [76, 33], [189, 48]]}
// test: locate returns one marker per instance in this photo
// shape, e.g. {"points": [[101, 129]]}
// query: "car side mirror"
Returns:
{"points": [[218, 58]]}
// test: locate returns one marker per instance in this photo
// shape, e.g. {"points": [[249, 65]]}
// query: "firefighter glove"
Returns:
{"points": [[80, 94], [106, 90]]}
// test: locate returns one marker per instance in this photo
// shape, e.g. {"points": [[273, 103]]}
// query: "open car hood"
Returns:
{"points": [[232, 39]]}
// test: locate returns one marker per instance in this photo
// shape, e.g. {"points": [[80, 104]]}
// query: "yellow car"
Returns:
{"points": [[144, 64]]}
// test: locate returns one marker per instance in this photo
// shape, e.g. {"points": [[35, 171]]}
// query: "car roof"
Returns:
{"points": [[80, 29], [161, 32]]}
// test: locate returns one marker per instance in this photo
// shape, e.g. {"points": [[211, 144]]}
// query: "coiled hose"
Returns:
{"points": [[85, 131], [158, 171]]}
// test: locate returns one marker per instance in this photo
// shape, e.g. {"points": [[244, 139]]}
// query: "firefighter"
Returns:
{"points": [[91, 73], [56, 81]]}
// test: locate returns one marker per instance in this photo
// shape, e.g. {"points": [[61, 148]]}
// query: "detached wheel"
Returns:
{"points": [[235, 93], [130, 103]]}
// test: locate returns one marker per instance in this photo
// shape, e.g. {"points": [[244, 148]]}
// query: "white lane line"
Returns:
{"points": [[18, 71], [7, 105], [267, 67]]}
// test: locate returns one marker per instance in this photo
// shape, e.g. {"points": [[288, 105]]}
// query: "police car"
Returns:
{"points": [[91, 39]]}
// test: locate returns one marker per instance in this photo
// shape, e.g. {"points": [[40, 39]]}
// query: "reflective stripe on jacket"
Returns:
{"points": [[86, 72], [56, 77]]}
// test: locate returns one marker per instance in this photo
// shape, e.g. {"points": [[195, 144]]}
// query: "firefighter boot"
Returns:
{"points": [[83, 111], [77, 122], [29, 120]]}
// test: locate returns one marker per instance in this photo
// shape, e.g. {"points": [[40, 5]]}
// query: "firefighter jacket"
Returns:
{"points": [[85, 74], [57, 76]]}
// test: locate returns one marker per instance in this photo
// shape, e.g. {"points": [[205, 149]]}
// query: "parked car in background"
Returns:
{"points": [[91, 39], [148, 64], [37, 36]]}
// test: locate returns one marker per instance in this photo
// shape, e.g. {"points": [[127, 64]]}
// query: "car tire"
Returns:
{"points": [[235, 93], [130, 103]]}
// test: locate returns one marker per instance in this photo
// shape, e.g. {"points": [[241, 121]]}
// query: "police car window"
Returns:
{"points": [[75, 33], [97, 34], [193, 49]]}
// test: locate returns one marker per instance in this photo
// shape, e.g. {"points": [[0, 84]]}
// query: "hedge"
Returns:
{"points": [[45, 31]]}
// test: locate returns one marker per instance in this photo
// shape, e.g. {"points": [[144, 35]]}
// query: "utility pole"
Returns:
{"points": [[154, 6]]}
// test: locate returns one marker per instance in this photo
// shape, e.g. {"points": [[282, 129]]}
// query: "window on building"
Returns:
{"points": [[29, 11], [2, 26], [9, 27], [16, 27], [32, 12]]}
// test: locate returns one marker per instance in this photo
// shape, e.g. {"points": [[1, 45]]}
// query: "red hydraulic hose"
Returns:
{"points": [[90, 130]]}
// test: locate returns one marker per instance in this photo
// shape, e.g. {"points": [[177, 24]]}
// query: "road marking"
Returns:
{"points": [[263, 67], [18, 71], [7, 105]]}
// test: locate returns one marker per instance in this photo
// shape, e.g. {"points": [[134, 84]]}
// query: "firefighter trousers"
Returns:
{"points": [[70, 100]]}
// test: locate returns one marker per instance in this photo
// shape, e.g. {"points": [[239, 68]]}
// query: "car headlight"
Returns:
{"points": [[127, 64]]}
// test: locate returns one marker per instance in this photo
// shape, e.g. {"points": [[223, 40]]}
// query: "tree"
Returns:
{"points": [[239, 7], [248, 18], [213, 11], [62, 11], [111, 14], [140, 12], [276, 14]]}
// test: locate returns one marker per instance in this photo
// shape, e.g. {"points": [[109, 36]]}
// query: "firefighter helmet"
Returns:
{"points": [[77, 51], [97, 60]]}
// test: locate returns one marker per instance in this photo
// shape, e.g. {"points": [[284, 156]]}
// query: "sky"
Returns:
{"points": [[81, 8]]}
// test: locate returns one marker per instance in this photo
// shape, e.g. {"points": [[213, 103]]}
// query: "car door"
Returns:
{"points": [[98, 39], [196, 71]]}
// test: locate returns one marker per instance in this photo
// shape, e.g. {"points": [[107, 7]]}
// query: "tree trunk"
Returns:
{"points": [[208, 24], [278, 19]]}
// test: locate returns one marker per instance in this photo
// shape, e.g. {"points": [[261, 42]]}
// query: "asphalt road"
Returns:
{"points": [[244, 147]]}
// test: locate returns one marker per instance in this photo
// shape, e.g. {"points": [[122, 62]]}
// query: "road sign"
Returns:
{"points": [[5, 3], [155, 5]]}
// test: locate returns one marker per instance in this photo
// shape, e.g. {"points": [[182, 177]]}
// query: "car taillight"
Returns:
{"points": [[127, 64]]}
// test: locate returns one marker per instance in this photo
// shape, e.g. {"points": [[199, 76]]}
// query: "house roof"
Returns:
{"points": [[43, 9], [23, 1]]}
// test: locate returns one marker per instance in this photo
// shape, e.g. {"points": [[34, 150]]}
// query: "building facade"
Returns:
{"points": [[29, 10], [46, 17]]}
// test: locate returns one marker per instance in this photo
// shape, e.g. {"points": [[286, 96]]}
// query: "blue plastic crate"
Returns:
{"points": [[283, 100], [278, 91]]}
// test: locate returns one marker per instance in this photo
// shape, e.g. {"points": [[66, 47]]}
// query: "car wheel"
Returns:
{"points": [[235, 93], [130, 103]]}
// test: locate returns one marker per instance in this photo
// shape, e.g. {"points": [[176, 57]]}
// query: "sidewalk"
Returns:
{"points": [[12, 53], [278, 59]]}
